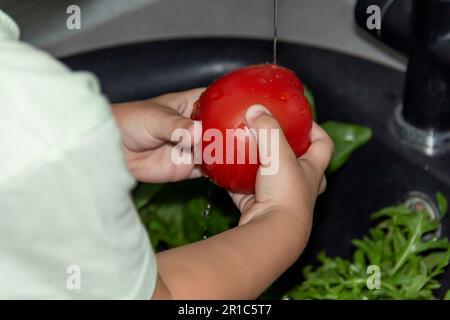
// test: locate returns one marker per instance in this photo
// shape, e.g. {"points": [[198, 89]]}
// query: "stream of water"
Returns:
{"points": [[275, 30], [207, 209]]}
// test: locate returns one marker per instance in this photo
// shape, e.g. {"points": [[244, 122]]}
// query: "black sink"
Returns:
{"points": [[346, 89]]}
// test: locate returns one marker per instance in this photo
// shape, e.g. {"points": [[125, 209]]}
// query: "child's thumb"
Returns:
{"points": [[276, 156], [265, 128], [258, 117]]}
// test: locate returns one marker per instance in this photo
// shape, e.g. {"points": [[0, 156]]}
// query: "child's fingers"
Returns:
{"points": [[182, 102], [196, 173], [243, 201], [323, 185], [163, 123], [321, 149]]}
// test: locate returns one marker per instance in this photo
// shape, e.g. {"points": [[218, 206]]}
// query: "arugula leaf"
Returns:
{"points": [[408, 264], [447, 295], [347, 138]]}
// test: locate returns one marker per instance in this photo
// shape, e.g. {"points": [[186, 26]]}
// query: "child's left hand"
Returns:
{"points": [[147, 127]]}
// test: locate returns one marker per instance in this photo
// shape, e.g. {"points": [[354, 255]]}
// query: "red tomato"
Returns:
{"points": [[223, 105]]}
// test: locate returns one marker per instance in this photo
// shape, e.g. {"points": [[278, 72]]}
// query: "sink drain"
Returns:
{"points": [[417, 200]]}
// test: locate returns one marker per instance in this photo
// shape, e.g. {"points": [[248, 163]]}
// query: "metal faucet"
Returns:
{"points": [[419, 29]]}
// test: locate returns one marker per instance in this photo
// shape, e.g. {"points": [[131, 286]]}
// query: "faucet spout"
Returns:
{"points": [[419, 29], [427, 87]]}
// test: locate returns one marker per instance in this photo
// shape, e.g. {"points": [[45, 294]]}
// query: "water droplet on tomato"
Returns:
{"points": [[216, 95], [241, 125], [284, 97]]}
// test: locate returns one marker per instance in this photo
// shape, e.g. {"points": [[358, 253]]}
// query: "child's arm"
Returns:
{"points": [[275, 225]]}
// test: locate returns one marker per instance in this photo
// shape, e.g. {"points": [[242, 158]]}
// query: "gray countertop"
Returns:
{"points": [[322, 23]]}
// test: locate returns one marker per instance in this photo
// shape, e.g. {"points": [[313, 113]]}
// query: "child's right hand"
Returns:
{"points": [[242, 262], [294, 188]]}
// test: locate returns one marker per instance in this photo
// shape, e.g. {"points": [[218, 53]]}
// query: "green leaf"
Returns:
{"points": [[312, 102], [442, 203], [144, 192], [359, 259], [347, 138], [447, 295], [197, 225], [391, 212]]}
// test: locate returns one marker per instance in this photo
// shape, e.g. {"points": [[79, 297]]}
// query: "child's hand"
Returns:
{"points": [[147, 128], [242, 262], [295, 187]]}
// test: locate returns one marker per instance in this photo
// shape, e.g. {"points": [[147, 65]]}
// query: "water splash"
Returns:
{"points": [[206, 211], [205, 214]]}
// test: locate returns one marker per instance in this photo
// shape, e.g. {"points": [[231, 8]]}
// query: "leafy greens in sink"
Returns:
{"points": [[407, 264]]}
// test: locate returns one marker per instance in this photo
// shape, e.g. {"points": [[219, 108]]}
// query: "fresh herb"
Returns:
{"points": [[408, 263]]}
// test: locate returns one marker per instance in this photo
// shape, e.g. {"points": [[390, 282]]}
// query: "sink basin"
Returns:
{"points": [[346, 89]]}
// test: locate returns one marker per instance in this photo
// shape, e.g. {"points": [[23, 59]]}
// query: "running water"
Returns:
{"points": [[206, 211], [275, 30], [205, 214]]}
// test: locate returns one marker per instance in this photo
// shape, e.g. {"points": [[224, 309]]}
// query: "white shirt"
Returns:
{"points": [[68, 227]]}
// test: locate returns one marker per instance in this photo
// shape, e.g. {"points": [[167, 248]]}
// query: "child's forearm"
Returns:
{"points": [[237, 264]]}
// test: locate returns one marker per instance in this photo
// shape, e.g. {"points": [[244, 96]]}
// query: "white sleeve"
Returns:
{"points": [[68, 227]]}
